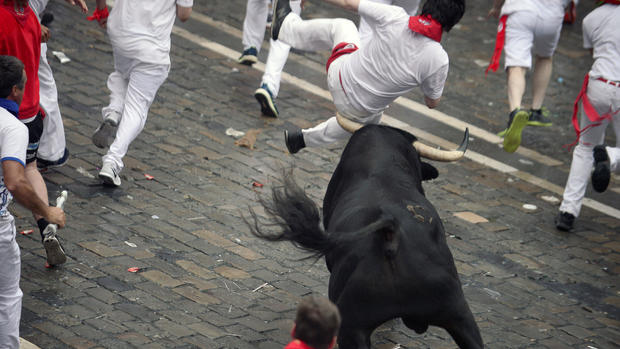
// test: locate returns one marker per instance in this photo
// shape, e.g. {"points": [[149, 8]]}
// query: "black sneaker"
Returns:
{"points": [[281, 8], [601, 173], [248, 56], [265, 98], [294, 141], [43, 164], [564, 221], [539, 117]]}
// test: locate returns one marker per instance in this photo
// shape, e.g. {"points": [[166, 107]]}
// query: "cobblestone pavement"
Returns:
{"points": [[205, 282]]}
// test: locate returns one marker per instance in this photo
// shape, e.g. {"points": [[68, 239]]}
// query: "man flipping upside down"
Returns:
{"points": [[405, 52]]}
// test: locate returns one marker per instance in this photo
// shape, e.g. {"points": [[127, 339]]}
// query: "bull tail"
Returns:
{"points": [[296, 216]]}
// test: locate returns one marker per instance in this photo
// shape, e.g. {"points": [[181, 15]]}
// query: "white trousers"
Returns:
{"points": [[324, 34], [52, 144], [133, 86], [10, 293], [605, 99], [410, 6], [253, 35]]}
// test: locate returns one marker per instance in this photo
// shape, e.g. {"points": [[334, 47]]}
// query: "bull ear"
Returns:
{"points": [[428, 171]]}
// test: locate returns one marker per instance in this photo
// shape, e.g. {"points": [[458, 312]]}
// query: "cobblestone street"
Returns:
{"points": [[205, 282]]}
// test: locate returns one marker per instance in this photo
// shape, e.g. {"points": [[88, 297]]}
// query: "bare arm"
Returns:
{"points": [[495, 10], [431, 103], [19, 186], [79, 3], [183, 13]]}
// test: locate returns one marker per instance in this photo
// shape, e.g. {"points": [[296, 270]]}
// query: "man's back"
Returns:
{"points": [[395, 61]]}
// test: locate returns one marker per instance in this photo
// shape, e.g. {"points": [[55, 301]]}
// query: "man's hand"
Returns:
{"points": [[56, 215], [431, 103], [45, 33], [80, 3]]}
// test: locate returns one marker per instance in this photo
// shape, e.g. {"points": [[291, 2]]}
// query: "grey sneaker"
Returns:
{"points": [[109, 175], [104, 134], [55, 253]]}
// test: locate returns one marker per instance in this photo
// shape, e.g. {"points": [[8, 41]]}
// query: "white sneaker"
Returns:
{"points": [[109, 174], [104, 134]]}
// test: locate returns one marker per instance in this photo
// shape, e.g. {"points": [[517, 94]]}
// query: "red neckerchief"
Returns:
{"points": [[613, 2], [426, 26], [499, 45], [20, 14], [297, 344]]}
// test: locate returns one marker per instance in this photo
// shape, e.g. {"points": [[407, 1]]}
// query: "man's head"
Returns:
{"points": [[446, 12], [12, 78], [317, 322]]}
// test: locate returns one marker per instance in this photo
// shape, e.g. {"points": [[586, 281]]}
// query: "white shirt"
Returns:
{"points": [[545, 8], [141, 29], [394, 62], [601, 33], [13, 144]]}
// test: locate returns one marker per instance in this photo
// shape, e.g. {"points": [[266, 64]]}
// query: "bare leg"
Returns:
{"points": [[36, 180], [516, 86], [542, 75]]}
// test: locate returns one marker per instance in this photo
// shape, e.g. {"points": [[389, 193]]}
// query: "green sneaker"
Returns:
{"points": [[539, 117], [512, 137]]}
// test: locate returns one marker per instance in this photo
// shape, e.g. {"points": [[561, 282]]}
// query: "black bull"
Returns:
{"points": [[383, 241]]}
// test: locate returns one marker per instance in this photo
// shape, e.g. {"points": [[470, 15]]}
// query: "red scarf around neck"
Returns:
{"points": [[426, 26], [613, 2]]}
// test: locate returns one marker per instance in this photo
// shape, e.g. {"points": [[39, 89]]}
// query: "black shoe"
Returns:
{"points": [[601, 174], [294, 141], [43, 164], [539, 117], [564, 221], [281, 8]]}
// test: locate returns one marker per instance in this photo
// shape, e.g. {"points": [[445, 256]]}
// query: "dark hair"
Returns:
{"points": [[317, 322], [11, 74], [446, 12]]}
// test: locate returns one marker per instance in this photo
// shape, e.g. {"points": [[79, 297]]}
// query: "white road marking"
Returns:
{"points": [[415, 106]]}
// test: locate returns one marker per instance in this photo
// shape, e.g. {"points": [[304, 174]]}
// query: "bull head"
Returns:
{"points": [[424, 150]]}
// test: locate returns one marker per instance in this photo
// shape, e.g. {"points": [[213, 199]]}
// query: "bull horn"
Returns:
{"points": [[348, 124], [424, 150], [431, 153]]}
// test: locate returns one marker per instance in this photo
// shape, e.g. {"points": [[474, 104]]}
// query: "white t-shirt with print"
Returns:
{"points": [[141, 29], [13, 144], [601, 33], [394, 62]]}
